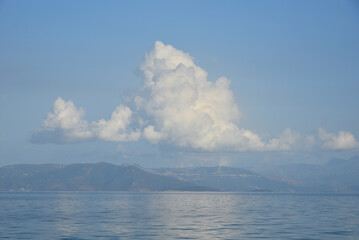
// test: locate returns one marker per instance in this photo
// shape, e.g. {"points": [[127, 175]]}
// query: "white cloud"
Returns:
{"points": [[115, 129], [285, 141], [179, 106], [152, 135], [66, 124], [67, 121], [190, 111], [343, 140]]}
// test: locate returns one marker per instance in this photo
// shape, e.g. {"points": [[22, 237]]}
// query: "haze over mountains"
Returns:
{"points": [[341, 175], [231, 179], [337, 175]]}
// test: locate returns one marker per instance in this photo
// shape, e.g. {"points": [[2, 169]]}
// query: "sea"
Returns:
{"points": [[178, 215]]}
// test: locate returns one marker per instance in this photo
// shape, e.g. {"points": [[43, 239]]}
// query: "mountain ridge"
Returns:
{"points": [[88, 177], [231, 179], [337, 175]]}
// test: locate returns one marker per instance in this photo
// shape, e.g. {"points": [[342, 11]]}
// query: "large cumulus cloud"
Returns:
{"points": [[180, 106], [188, 110]]}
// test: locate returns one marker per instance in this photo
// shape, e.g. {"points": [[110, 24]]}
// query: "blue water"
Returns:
{"points": [[122, 215]]}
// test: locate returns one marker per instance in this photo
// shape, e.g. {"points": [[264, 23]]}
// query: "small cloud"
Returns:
{"points": [[151, 134], [115, 129], [66, 124], [341, 141], [285, 141]]}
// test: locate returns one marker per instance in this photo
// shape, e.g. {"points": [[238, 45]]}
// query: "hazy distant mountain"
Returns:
{"points": [[231, 179], [88, 177], [336, 175]]}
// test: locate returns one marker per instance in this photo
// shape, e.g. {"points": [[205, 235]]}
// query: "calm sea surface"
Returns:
{"points": [[123, 215]]}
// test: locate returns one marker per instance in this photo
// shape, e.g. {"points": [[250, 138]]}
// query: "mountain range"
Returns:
{"points": [[231, 179], [337, 175], [88, 177]]}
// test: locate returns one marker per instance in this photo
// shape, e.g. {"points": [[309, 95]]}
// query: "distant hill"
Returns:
{"points": [[338, 175], [88, 177], [232, 179]]}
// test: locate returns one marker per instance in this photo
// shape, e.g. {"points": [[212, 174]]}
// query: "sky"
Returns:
{"points": [[179, 83]]}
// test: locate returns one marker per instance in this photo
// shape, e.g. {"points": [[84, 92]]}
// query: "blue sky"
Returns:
{"points": [[291, 65]]}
